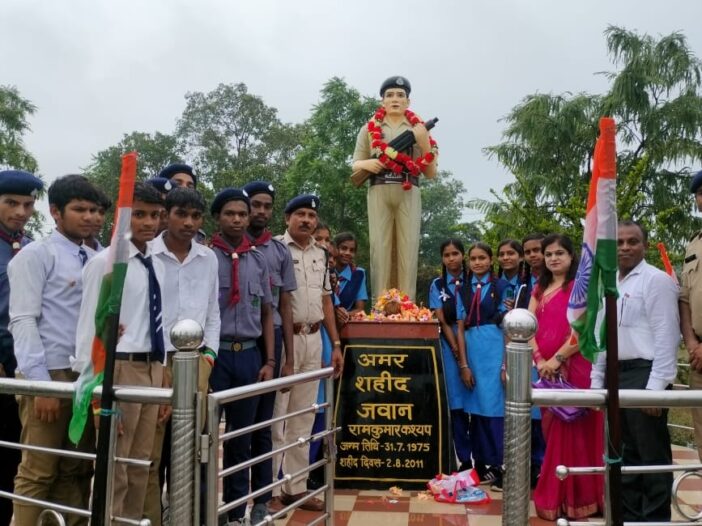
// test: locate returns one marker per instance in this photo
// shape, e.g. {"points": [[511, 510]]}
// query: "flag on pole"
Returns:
{"points": [[666, 262], [597, 271], [109, 301]]}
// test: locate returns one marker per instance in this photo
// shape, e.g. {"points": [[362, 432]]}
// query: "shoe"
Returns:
{"points": [[499, 479], [497, 485], [314, 483], [313, 504], [488, 476], [237, 522], [258, 513], [275, 505]]}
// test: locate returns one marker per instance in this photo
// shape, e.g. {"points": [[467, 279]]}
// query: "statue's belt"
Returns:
{"points": [[388, 177]]}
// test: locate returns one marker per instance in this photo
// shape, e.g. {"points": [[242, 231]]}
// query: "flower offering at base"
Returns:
{"points": [[394, 305]]}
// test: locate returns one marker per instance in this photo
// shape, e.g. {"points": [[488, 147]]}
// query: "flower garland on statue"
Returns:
{"points": [[393, 305], [396, 161]]}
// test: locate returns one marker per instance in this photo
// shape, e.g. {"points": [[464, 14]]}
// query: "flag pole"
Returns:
{"points": [[102, 483], [613, 435]]}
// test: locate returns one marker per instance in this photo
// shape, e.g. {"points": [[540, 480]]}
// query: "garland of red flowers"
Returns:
{"points": [[396, 161]]}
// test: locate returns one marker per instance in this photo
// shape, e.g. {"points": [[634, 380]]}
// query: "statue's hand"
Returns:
{"points": [[373, 166], [421, 135]]}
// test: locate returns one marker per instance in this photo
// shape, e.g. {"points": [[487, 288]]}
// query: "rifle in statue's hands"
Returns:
{"points": [[400, 143]]}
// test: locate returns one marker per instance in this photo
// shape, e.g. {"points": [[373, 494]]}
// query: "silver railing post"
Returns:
{"points": [[111, 454], [519, 326], [330, 442], [212, 496], [187, 336]]}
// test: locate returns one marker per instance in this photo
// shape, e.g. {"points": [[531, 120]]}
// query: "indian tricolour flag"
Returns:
{"points": [[597, 270], [109, 300]]}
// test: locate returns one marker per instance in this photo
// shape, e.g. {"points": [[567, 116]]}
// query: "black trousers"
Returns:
{"points": [[645, 441], [10, 429]]}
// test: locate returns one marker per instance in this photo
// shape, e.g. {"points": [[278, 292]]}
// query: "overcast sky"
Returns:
{"points": [[97, 69]]}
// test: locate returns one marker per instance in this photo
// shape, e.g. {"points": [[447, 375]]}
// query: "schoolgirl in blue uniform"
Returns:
{"points": [[516, 272], [446, 296], [351, 288], [486, 307]]}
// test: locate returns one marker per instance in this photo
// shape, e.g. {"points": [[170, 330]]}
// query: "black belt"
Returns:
{"points": [[635, 363], [391, 178], [134, 357], [236, 346]]}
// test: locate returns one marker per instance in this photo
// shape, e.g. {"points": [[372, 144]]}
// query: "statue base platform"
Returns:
{"points": [[391, 407]]}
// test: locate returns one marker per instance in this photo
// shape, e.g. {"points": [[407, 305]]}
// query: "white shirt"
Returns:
{"points": [[45, 295], [134, 311], [191, 290], [649, 325]]}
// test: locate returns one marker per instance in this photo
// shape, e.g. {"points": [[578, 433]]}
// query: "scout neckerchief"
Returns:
{"points": [[264, 238], [14, 239], [348, 293], [244, 246], [450, 299], [477, 298]]}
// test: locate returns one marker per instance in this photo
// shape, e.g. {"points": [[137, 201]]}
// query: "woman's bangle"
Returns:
{"points": [[465, 366]]}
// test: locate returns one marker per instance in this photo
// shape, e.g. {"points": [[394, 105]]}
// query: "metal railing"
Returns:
{"points": [[49, 389], [212, 442], [189, 448], [520, 326]]}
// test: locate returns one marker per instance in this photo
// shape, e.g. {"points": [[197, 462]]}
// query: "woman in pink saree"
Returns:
{"points": [[577, 443]]}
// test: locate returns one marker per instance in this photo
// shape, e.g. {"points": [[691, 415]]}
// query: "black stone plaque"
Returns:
{"points": [[392, 411]]}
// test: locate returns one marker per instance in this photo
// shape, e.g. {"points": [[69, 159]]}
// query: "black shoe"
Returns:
{"points": [[499, 478], [314, 483], [482, 471], [490, 476]]}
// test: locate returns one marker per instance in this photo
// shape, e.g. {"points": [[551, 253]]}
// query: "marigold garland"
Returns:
{"points": [[388, 301], [396, 161]]}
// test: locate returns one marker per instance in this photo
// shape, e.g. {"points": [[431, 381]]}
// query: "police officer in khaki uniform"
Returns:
{"points": [[394, 213], [691, 310], [311, 305]]}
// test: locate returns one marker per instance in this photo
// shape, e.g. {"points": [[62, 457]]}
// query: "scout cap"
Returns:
{"points": [[161, 184], [259, 187], [19, 182], [226, 195], [178, 168], [696, 182]]}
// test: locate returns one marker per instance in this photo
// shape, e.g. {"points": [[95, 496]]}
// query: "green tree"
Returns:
{"points": [[233, 138], [322, 165], [549, 139], [155, 151], [14, 114]]}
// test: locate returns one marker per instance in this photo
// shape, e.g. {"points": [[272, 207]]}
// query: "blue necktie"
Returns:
{"points": [[83, 255], [158, 351]]}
